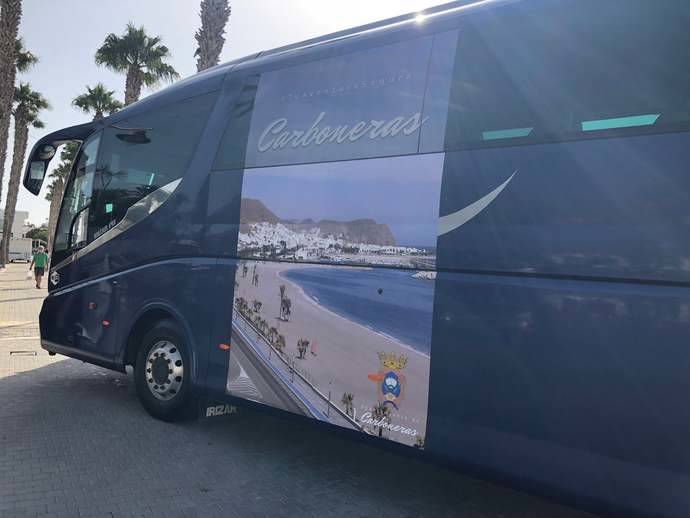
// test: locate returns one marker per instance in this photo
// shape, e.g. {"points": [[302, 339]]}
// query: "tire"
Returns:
{"points": [[162, 373]]}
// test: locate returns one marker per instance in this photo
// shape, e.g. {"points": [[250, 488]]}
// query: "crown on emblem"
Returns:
{"points": [[392, 361]]}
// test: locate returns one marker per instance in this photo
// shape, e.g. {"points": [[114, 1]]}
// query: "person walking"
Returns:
{"points": [[39, 262]]}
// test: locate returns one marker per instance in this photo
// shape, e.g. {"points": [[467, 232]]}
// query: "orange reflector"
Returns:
{"points": [[106, 323], [224, 347]]}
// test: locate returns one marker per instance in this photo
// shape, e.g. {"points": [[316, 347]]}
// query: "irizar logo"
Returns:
{"points": [[55, 277], [218, 410]]}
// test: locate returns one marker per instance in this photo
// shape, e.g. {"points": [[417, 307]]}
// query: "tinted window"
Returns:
{"points": [[568, 69], [142, 154], [76, 201]]}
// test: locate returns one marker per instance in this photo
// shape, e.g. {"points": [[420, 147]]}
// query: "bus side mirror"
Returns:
{"points": [[37, 166]]}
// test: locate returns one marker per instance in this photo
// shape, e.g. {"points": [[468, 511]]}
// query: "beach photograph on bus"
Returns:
{"points": [[334, 293]]}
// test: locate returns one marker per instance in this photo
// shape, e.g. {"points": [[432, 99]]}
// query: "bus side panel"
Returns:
{"points": [[569, 384], [180, 287]]}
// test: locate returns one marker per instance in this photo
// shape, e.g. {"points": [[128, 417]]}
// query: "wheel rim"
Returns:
{"points": [[164, 370]]}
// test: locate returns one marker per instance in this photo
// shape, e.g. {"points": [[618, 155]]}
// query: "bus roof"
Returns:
{"points": [[211, 79]]}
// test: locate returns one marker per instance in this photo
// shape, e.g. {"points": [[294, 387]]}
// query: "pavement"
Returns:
{"points": [[75, 442]]}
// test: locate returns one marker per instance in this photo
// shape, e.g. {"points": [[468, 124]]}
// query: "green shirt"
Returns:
{"points": [[40, 260]]}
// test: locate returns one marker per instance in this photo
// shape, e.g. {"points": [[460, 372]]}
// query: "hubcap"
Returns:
{"points": [[164, 370]]}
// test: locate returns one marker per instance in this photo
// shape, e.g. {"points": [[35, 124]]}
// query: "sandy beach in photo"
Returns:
{"points": [[346, 351]]}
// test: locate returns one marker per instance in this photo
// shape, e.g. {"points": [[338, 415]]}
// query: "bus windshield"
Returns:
{"points": [[71, 231]]}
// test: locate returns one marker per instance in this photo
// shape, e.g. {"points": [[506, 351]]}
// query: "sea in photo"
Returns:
{"points": [[387, 301]]}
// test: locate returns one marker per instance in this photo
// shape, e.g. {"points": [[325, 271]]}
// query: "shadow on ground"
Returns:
{"points": [[74, 439]]}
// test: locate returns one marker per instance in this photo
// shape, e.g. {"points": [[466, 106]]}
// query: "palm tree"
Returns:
{"points": [[10, 16], [257, 305], [13, 58], [28, 103], [348, 402], [24, 59], [98, 100], [209, 38], [56, 188], [138, 55], [272, 334]]}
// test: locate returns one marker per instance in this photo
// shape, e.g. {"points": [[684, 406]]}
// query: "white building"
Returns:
{"points": [[20, 225]]}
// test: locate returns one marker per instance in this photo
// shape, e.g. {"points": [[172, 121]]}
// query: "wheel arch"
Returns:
{"points": [[144, 319]]}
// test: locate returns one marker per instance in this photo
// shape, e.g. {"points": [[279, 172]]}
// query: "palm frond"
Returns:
{"points": [[24, 58], [135, 50], [97, 99]]}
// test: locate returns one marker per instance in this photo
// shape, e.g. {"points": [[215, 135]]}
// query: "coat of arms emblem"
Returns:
{"points": [[390, 381]]}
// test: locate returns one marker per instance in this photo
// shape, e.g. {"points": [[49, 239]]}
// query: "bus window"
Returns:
{"points": [[142, 154], [75, 203], [550, 71]]}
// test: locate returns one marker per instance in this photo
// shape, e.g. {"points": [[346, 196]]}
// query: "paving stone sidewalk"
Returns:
{"points": [[20, 303], [75, 442]]}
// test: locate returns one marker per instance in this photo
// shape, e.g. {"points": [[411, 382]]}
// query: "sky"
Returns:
{"points": [[388, 190], [65, 37]]}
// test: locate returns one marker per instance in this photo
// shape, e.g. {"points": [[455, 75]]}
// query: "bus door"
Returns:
{"points": [[83, 305]]}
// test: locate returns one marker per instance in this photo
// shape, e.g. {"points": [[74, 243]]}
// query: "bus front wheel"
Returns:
{"points": [[161, 373]]}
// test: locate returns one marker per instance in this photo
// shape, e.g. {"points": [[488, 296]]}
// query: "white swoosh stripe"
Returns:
{"points": [[457, 219]]}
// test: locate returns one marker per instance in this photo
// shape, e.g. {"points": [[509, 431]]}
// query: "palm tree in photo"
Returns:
{"points": [[214, 16], [257, 305], [56, 188], [28, 103], [140, 56], [280, 343], [97, 100], [285, 308], [381, 413], [272, 334], [348, 402], [259, 323], [302, 346]]}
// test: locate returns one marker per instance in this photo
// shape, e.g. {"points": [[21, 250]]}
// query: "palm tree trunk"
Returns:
{"points": [[10, 15], [55, 204], [21, 134], [214, 16], [133, 83], [51, 222]]}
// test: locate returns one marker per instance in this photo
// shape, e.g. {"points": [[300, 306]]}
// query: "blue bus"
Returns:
{"points": [[463, 233]]}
